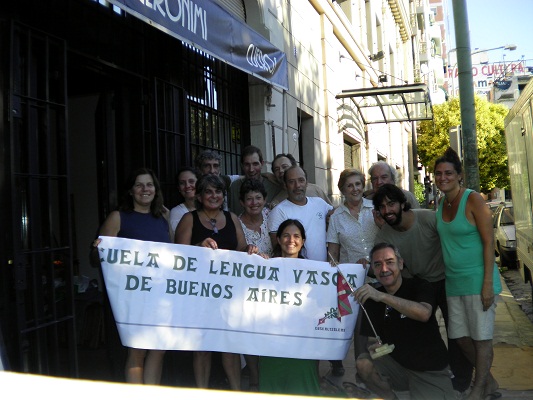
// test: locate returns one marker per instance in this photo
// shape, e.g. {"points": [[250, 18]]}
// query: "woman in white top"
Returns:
{"points": [[350, 237], [254, 218], [187, 177]]}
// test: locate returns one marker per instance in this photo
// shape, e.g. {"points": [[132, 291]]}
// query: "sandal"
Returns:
{"points": [[352, 390]]}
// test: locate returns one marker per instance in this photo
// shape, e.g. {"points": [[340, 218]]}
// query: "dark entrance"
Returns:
{"points": [[91, 94]]}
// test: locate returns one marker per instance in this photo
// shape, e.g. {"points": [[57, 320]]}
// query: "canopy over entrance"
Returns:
{"points": [[204, 24], [405, 103]]}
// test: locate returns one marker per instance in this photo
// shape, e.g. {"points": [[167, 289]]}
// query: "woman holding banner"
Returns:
{"points": [[141, 216], [212, 227], [254, 224], [289, 375]]}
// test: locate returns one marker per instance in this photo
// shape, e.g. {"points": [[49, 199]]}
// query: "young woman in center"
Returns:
{"points": [[289, 375]]}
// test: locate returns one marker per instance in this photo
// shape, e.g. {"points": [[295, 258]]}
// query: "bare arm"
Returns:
{"points": [[241, 239], [479, 214], [419, 311], [333, 252], [110, 227], [273, 239]]}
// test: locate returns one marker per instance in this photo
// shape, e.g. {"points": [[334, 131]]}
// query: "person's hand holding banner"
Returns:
{"points": [[178, 297]]}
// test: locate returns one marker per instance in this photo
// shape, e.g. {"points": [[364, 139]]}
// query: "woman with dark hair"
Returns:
{"points": [[289, 375], [140, 216], [465, 228], [187, 177], [254, 225], [254, 217], [212, 227]]}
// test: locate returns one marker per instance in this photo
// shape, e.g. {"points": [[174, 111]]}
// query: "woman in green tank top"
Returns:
{"points": [[465, 228]]}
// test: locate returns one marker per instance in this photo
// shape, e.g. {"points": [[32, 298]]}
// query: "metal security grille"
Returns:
{"points": [[41, 217], [218, 108], [171, 141]]}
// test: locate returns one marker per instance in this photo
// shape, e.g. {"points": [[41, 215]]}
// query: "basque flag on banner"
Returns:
{"points": [[343, 292]]}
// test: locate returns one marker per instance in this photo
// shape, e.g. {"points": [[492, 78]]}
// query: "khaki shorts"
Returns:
{"points": [[466, 318], [422, 385]]}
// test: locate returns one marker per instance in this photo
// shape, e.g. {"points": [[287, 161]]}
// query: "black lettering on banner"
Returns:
{"points": [[133, 283]]}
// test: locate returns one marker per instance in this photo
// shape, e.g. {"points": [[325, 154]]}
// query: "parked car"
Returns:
{"points": [[505, 235], [494, 205]]}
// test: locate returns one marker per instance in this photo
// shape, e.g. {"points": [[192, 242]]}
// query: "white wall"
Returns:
{"points": [[313, 34]]}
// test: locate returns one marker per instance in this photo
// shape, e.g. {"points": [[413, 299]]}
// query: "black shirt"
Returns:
{"points": [[418, 345]]}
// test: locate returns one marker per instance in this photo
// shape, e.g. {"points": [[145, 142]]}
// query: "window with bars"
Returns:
{"points": [[352, 155], [218, 108]]}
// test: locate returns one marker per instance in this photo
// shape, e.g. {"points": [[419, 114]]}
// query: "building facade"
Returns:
{"points": [[91, 91]]}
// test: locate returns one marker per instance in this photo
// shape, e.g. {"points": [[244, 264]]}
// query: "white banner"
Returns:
{"points": [[178, 297]]}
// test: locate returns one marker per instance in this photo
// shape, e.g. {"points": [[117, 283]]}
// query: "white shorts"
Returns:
{"points": [[466, 318]]}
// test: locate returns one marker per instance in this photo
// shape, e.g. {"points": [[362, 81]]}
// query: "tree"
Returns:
{"points": [[433, 139]]}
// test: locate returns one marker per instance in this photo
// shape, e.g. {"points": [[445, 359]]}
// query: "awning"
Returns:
{"points": [[379, 105], [209, 27]]}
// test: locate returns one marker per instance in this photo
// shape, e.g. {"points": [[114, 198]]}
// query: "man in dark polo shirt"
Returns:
{"points": [[402, 311]]}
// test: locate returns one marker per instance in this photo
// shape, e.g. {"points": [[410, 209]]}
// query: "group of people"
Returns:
{"points": [[418, 259]]}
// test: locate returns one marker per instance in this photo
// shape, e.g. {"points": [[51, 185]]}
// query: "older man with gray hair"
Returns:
{"points": [[381, 173]]}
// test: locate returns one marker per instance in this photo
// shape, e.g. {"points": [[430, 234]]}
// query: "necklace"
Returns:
{"points": [[455, 198], [212, 221]]}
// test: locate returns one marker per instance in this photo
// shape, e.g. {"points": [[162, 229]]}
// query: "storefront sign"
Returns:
{"points": [[177, 297], [208, 26], [484, 75]]}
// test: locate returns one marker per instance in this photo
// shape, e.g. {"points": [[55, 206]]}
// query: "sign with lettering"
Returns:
{"points": [[178, 297], [208, 26], [485, 75]]}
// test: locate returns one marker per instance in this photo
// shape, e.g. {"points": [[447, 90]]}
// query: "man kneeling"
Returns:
{"points": [[403, 314]]}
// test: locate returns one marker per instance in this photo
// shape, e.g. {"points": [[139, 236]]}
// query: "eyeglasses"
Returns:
{"points": [[388, 310]]}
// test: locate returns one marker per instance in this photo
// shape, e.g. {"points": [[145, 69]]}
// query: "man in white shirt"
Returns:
{"points": [[310, 211], [280, 164]]}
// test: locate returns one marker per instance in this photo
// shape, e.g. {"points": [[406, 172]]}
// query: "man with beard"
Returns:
{"points": [[414, 233], [310, 211]]}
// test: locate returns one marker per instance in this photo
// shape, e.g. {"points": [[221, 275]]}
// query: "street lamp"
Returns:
{"points": [[510, 47]]}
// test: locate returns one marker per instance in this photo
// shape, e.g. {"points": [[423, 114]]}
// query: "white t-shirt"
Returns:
{"points": [[313, 218], [176, 214]]}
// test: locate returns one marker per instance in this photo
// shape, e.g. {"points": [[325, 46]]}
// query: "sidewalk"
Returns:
{"points": [[513, 353], [513, 348]]}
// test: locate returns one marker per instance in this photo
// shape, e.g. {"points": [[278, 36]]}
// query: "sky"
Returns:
{"points": [[495, 23]]}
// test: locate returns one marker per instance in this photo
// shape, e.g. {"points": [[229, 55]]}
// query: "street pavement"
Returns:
{"points": [[513, 354]]}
